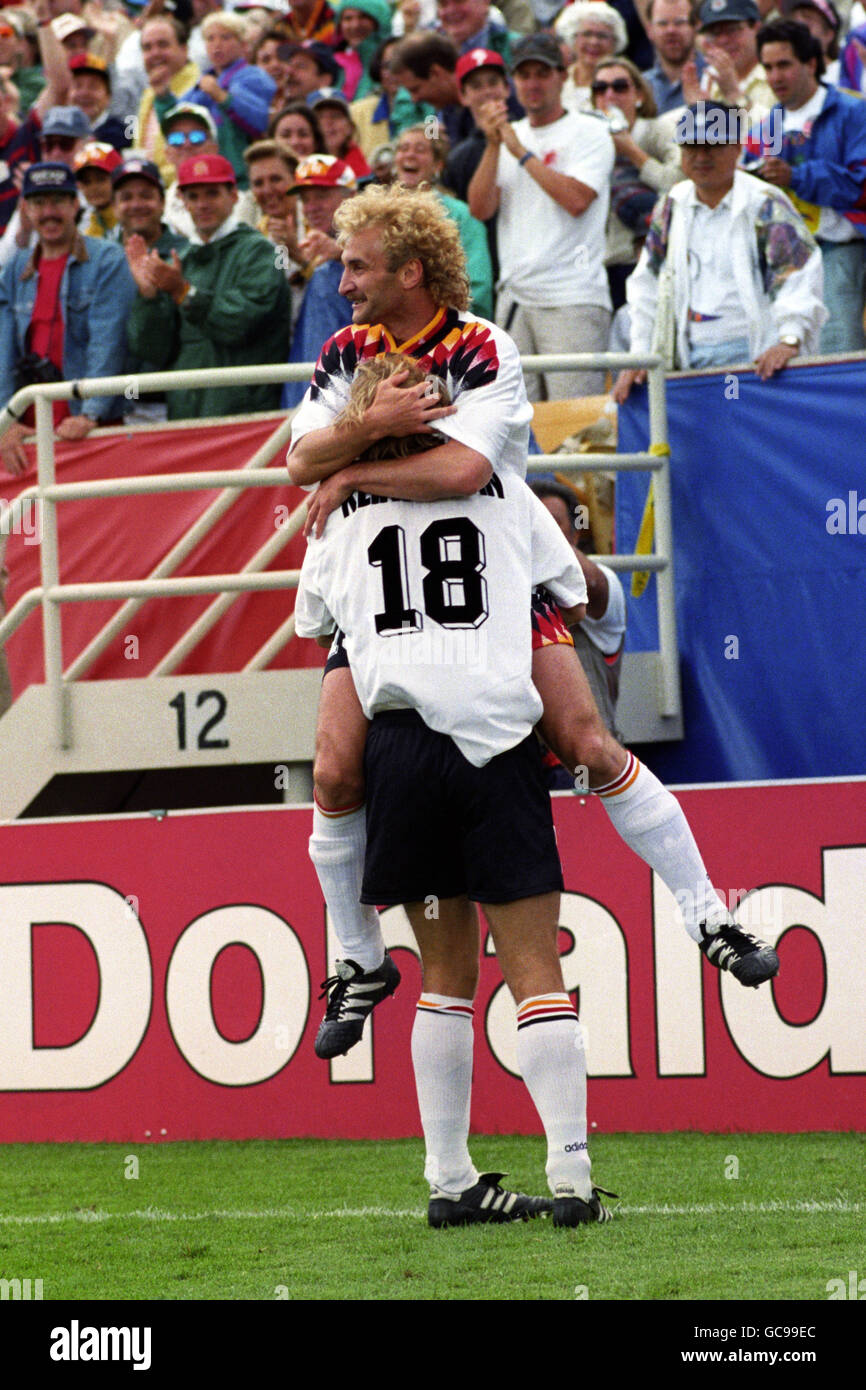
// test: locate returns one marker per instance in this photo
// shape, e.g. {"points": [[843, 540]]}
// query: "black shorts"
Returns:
{"points": [[337, 654], [438, 826]]}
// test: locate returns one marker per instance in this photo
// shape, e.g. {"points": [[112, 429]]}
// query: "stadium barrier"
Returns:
{"points": [[69, 698]]}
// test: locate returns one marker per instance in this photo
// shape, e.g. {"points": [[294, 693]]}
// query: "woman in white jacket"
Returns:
{"points": [[745, 274]]}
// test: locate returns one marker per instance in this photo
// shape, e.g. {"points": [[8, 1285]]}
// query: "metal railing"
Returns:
{"points": [[47, 494]]}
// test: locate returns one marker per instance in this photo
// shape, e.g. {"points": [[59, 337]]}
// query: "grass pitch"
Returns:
{"points": [[319, 1219]]}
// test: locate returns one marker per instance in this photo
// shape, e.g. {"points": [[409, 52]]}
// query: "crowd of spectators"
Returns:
{"points": [[182, 160]]}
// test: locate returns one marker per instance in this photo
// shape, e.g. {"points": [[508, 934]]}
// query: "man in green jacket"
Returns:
{"points": [[222, 303]]}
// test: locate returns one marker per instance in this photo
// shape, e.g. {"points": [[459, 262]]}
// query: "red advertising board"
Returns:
{"points": [[158, 980]]}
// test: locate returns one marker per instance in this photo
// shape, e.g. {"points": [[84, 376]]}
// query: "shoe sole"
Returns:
{"points": [[480, 1218]]}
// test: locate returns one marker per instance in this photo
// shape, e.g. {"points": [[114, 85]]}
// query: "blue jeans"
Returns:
{"points": [[720, 354], [844, 294]]}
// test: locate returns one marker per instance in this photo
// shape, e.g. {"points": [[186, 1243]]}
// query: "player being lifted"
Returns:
{"points": [[458, 806], [404, 274]]}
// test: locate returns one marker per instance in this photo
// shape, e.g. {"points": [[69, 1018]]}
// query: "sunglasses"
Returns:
{"points": [[59, 142], [188, 137], [619, 84]]}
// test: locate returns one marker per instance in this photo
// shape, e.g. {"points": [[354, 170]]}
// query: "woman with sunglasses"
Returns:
{"points": [[647, 163]]}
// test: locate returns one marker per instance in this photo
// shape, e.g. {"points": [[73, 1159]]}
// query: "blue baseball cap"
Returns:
{"points": [[48, 177], [68, 121]]}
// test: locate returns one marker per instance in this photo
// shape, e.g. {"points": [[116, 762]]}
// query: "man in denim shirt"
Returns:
{"points": [[63, 311]]}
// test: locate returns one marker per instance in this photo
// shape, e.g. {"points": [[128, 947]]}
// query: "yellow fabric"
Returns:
{"points": [[149, 136]]}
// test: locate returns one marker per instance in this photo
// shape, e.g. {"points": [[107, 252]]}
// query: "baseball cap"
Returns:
{"points": [[321, 53], [205, 168], [190, 108], [323, 171], [477, 58], [68, 121], [65, 25], [724, 11], [137, 167], [537, 48], [825, 8], [90, 62], [48, 177], [328, 96], [711, 123], [96, 154]]}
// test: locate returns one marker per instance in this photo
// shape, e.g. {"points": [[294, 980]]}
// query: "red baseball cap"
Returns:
{"points": [[97, 155], [323, 171], [477, 58], [205, 168]]}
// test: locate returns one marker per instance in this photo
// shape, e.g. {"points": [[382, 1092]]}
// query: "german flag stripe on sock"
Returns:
{"points": [[545, 1008], [431, 1006], [623, 781]]}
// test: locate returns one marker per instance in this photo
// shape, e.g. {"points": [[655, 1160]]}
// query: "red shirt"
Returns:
{"points": [[46, 323]]}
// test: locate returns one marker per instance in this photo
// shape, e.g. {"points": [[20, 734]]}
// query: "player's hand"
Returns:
{"points": [[329, 495], [400, 410], [12, 452], [774, 359], [776, 171], [625, 381]]}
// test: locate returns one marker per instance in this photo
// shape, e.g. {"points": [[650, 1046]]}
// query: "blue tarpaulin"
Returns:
{"points": [[769, 517]]}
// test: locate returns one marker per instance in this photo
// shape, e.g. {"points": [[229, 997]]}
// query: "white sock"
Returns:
{"points": [[337, 847], [552, 1063], [651, 821], [442, 1057]]}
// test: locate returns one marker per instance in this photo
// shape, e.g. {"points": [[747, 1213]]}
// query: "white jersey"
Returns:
{"points": [[547, 257], [434, 600], [478, 362]]}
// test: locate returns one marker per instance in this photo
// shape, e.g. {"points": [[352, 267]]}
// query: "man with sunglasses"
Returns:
{"points": [[189, 130]]}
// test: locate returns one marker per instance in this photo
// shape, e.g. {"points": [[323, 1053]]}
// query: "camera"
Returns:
{"points": [[33, 370]]}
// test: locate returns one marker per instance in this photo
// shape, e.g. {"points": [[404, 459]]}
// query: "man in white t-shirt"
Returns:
{"points": [[548, 177]]}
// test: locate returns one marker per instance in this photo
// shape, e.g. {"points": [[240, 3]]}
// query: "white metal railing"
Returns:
{"points": [[161, 583]]}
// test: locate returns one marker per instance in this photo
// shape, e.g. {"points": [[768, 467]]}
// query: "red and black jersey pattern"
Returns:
{"points": [[548, 629], [461, 352]]}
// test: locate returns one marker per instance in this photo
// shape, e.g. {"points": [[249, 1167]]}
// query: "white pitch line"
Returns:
{"points": [[154, 1214]]}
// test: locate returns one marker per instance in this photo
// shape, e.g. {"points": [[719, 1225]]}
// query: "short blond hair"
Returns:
{"points": [[414, 226], [365, 383], [224, 19]]}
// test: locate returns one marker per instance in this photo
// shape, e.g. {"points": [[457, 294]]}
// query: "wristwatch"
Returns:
{"points": [[790, 340]]}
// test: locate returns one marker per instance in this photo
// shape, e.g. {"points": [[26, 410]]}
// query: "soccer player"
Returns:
{"points": [[405, 278], [433, 601]]}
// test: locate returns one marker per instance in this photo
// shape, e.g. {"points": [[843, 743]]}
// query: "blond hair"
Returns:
{"points": [[414, 226], [365, 383], [223, 19]]}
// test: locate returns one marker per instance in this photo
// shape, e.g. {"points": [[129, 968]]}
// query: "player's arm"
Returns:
{"points": [[396, 410], [450, 470], [597, 587]]}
